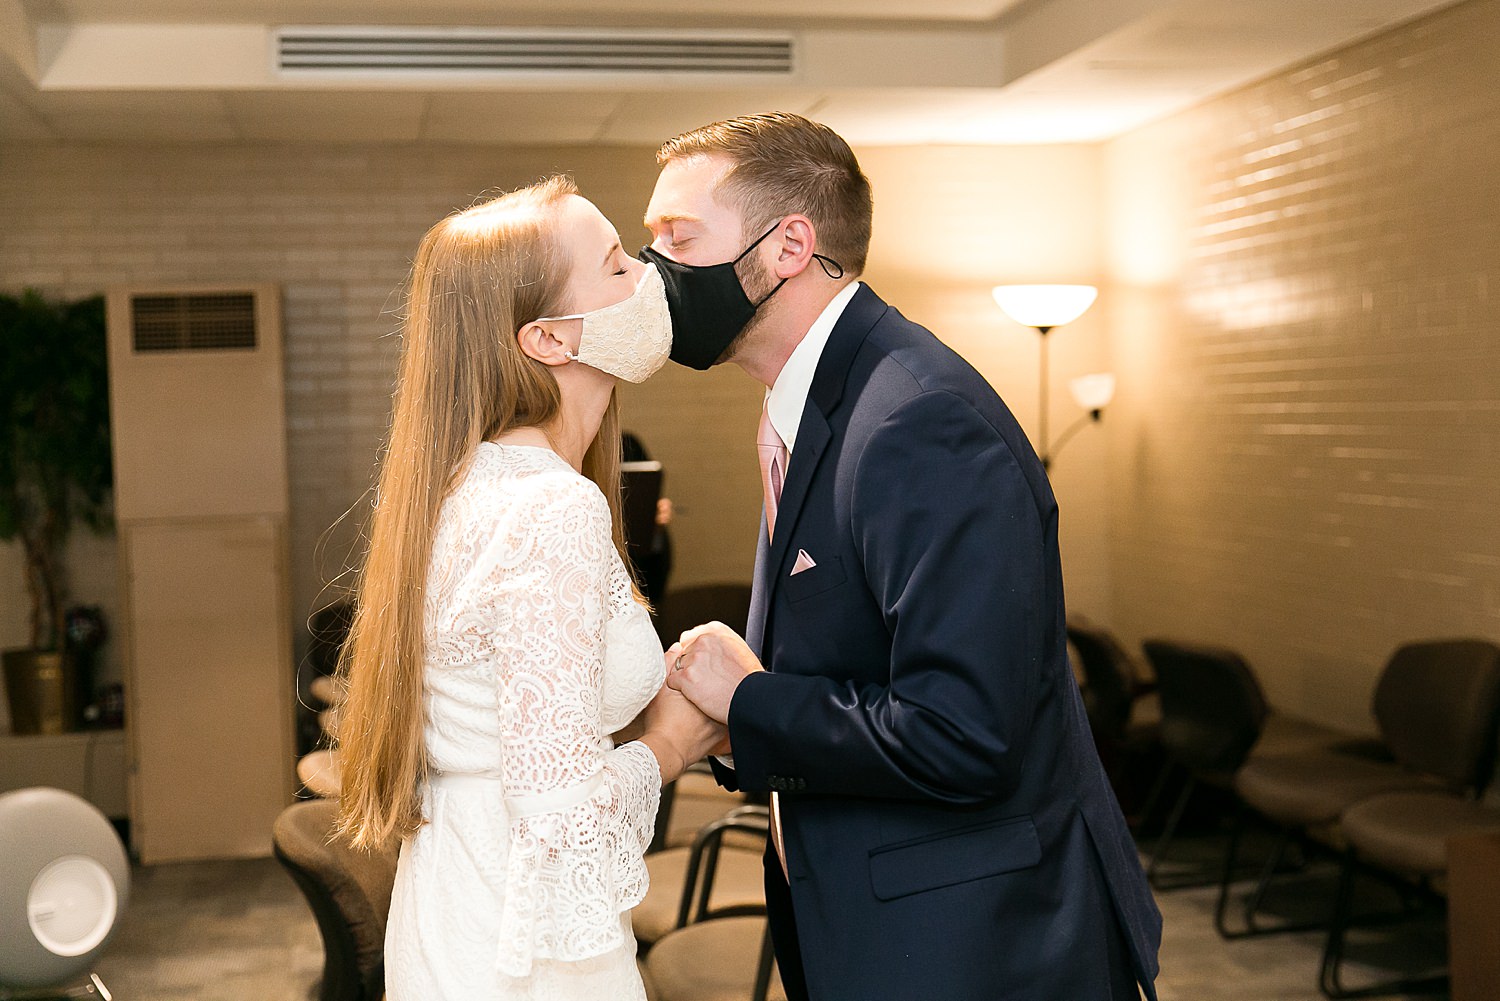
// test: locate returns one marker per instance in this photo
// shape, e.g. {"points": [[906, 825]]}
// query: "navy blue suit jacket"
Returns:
{"points": [[949, 829]]}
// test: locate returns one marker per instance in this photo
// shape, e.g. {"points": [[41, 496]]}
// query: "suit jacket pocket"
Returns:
{"points": [[827, 575], [954, 857]]}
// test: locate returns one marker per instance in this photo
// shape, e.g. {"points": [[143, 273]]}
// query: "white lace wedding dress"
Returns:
{"points": [[520, 883]]}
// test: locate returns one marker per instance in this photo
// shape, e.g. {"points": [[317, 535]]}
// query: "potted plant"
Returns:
{"points": [[55, 473]]}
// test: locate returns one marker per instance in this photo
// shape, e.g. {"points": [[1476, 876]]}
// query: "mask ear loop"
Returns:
{"points": [[833, 269], [757, 243]]}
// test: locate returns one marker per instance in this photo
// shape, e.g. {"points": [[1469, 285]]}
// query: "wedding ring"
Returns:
{"points": [[677, 664]]}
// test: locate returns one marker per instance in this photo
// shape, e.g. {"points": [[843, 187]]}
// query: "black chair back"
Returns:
{"points": [[1436, 704], [1212, 708], [1109, 680], [686, 607], [349, 892], [328, 628]]}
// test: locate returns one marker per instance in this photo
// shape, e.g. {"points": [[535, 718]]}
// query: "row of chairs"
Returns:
{"points": [[1388, 807]]}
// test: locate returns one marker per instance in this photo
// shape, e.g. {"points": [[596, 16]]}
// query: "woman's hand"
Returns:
{"points": [[678, 734]]}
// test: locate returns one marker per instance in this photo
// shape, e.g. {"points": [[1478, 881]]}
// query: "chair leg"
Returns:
{"points": [[1158, 788], [1272, 866], [763, 967], [1231, 862], [1173, 819], [1257, 897], [1330, 981], [710, 867]]}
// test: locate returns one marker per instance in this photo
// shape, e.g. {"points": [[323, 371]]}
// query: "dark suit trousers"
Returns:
{"points": [[784, 931]]}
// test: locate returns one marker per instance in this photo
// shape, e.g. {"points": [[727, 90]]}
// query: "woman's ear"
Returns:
{"points": [[539, 340]]}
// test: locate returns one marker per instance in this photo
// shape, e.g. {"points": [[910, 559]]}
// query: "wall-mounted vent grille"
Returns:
{"points": [[407, 51], [193, 322]]}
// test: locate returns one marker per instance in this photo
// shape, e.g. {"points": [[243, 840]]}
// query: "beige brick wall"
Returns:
{"points": [[1306, 455], [336, 225]]}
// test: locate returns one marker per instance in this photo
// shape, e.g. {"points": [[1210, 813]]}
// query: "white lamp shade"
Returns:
{"points": [[1093, 392], [1044, 305]]}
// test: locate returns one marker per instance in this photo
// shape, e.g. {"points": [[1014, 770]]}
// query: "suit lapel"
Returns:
{"points": [[813, 436]]}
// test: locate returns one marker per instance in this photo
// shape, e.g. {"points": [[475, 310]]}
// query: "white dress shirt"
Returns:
{"points": [[788, 396]]}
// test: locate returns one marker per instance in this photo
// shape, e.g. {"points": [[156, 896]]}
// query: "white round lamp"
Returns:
{"points": [[63, 885]]}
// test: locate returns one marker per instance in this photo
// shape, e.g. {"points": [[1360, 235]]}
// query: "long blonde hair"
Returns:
{"points": [[478, 277]]}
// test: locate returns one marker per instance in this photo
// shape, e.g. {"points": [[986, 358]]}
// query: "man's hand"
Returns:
{"points": [[708, 664]]}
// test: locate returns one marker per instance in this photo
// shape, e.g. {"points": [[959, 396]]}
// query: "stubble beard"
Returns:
{"points": [[757, 281]]}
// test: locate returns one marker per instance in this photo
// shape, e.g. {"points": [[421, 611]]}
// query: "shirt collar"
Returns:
{"points": [[788, 397]]}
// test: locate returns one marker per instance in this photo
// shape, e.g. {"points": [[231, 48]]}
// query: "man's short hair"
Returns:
{"points": [[784, 163]]}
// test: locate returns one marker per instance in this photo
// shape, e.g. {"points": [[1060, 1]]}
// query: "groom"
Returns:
{"points": [[941, 826]]}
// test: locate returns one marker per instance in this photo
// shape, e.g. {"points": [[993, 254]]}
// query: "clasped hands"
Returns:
{"points": [[704, 668]]}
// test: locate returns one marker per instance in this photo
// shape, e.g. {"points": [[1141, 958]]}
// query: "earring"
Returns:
{"points": [[569, 355]]}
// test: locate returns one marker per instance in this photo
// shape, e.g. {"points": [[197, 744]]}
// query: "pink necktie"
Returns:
{"points": [[773, 460]]}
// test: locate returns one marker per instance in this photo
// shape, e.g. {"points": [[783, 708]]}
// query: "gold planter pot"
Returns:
{"points": [[39, 686]]}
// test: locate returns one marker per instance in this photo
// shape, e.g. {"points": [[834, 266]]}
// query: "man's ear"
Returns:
{"points": [[799, 240], [540, 341]]}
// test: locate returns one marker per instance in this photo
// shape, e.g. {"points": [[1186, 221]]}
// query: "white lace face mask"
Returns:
{"points": [[630, 339]]}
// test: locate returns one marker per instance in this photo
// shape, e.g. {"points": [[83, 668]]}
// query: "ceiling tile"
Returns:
{"points": [[131, 116], [332, 116], [518, 117], [652, 119], [902, 117]]}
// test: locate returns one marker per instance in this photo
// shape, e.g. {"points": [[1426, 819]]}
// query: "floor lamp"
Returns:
{"points": [[1042, 308]]}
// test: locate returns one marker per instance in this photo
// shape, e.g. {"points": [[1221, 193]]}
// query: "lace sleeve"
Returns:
{"points": [[581, 812]]}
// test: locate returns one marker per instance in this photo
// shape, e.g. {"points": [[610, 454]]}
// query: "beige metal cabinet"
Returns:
{"points": [[196, 392]]}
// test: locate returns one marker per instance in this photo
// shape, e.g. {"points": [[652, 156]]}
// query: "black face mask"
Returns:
{"points": [[708, 304]]}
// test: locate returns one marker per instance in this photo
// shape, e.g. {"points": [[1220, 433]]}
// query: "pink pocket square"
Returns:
{"points": [[804, 562]]}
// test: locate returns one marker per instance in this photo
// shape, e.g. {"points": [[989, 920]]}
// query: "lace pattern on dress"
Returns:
{"points": [[528, 595]]}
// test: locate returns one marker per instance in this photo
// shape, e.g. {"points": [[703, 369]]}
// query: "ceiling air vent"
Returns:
{"points": [[193, 322], [413, 51]]}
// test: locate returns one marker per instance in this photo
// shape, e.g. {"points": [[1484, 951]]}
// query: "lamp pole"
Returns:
{"points": [[1044, 308], [1046, 455]]}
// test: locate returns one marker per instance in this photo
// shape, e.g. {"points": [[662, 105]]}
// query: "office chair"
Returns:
{"points": [[349, 892]]}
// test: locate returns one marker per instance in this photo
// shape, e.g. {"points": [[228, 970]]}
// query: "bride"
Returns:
{"points": [[499, 639]]}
